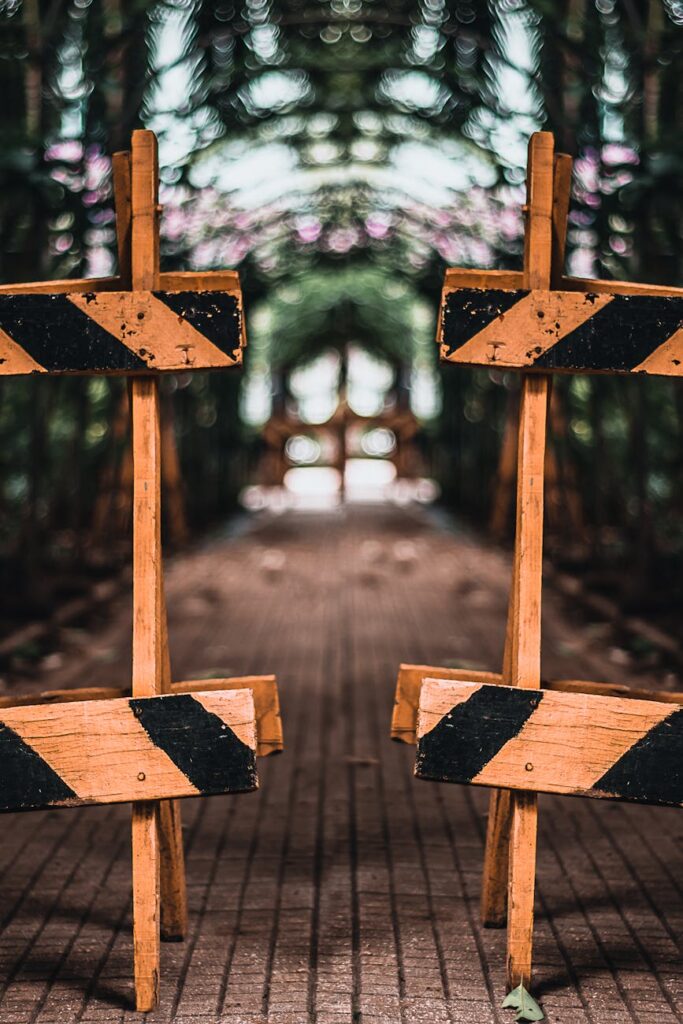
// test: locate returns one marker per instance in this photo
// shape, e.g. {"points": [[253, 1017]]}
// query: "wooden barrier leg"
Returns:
{"points": [[494, 889], [147, 677], [145, 839], [151, 667], [525, 665], [510, 858], [173, 887]]}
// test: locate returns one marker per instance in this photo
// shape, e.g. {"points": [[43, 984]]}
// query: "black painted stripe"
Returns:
{"points": [[618, 336], [652, 770], [27, 782], [216, 315], [473, 732], [61, 337], [468, 311], [203, 747]]}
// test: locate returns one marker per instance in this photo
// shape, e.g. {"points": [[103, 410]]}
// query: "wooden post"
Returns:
{"points": [[172, 867], [493, 905], [513, 817], [151, 674]]}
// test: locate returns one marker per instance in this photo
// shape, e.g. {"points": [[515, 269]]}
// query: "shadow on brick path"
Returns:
{"points": [[343, 890]]}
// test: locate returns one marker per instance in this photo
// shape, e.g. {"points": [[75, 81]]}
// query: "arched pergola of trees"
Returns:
{"points": [[340, 153]]}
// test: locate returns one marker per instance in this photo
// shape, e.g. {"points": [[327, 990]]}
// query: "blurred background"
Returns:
{"points": [[340, 154]]}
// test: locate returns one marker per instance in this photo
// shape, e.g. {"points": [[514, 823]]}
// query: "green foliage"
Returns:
{"points": [[396, 133]]}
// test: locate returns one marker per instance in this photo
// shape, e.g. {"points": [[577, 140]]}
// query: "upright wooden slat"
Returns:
{"points": [[172, 857], [524, 638], [512, 819], [148, 653]]}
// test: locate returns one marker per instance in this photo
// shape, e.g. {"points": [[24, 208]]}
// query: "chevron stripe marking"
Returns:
{"points": [[410, 679], [269, 738], [565, 331], [14, 355], [119, 332], [161, 336], [115, 751], [569, 743]]}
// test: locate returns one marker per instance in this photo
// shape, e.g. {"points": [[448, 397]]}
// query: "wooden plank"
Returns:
{"points": [[600, 286], [201, 281], [149, 651], [562, 190], [122, 186], [562, 331], [269, 735], [146, 904], [127, 749], [119, 332], [169, 281], [522, 657], [411, 677], [508, 280], [569, 743], [172, 888], [407, 695]]}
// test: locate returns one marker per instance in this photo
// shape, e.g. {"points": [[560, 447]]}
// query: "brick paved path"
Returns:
{"points": [[344, 890]]}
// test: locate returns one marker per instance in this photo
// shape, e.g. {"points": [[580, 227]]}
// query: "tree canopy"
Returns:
{"points": [[341, 153]]}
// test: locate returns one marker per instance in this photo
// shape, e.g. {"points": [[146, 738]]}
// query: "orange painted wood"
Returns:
{"points": [[126, 749], [575, 744], [522, 662], [411, 677], [148, 636], [269, 735], [169, 281], [119, 332]]}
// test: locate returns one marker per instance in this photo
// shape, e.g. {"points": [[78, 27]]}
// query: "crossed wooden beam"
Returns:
{"points": [[158, 740], [512, 731]]}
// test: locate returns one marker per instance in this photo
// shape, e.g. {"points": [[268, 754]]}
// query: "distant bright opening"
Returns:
{"points": [[302, 450], [378, 443]]}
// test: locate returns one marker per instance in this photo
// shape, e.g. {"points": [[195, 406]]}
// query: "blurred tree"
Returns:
{"points": [[341, 153]]}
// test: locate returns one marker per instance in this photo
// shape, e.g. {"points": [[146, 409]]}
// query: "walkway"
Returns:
{"points": [[344, 890]]}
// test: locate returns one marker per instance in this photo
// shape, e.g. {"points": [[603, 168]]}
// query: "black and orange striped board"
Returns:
{"points": [[121, 332], [562, 331], [115, 751], [269, 737], [571, 743]]}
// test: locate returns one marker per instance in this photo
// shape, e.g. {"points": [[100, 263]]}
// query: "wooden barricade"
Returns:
{"points": [[158, 740], [511, 731]]}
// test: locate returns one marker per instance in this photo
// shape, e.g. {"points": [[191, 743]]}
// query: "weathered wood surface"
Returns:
{"points": [[115, 751], [411, 677], [574, 744], [119, 331], [522, 654], [169, 281], [564, 331], [269, 736], [512, 280]]}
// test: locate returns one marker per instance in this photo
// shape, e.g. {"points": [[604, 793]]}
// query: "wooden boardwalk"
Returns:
{"points": [[344, 891]]}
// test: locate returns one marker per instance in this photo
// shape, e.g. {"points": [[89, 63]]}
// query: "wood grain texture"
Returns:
{"points": [[127, 749], [149, 632], [552, 742], [564, 331], [146, 909], [411, 677], [493, 901], [119, 332], [269, 733], [522, 655]]}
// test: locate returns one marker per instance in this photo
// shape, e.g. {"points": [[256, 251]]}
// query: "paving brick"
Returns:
{"points": [[343, 892]]}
